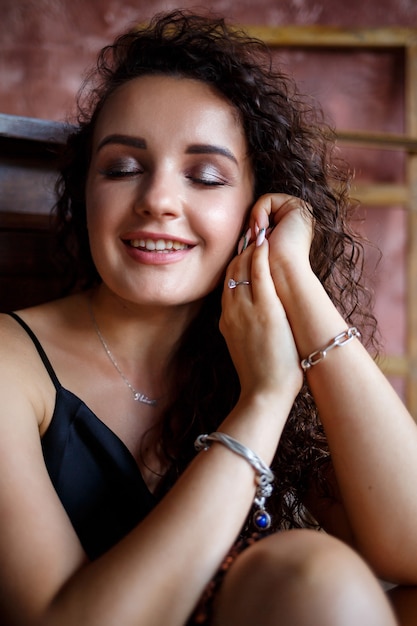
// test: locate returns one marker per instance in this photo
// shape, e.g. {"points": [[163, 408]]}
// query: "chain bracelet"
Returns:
{"points": [[340, 340]]}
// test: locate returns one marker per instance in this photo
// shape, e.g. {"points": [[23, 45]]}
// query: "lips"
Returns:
{"points": [[157, 245]]}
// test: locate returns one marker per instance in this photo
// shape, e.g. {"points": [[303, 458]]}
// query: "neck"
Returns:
{"points": [[142, 339]]}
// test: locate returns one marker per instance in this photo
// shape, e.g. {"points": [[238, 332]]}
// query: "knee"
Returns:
{"points": [[302, 577], [297, 557]]}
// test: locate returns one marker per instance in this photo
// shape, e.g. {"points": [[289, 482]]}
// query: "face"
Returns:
{"points": [[168, 190]]}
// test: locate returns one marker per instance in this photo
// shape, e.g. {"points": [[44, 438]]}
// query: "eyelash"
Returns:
{"points": [[115, 173], [207, 183]]}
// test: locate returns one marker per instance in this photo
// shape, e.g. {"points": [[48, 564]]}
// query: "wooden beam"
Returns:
{"points": [[25, 221], [382, 141], [394, 365], [378, 194], [317, 36], [33, 129]]}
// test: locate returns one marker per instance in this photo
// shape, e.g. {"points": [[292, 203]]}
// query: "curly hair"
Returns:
{"points": [[291, 151]]}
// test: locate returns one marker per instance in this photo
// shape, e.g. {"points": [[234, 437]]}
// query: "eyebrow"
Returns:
{"points": [[125, 140], [138, 142], [211, 149]]}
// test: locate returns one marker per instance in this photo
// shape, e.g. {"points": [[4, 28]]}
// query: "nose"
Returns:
{"points": [[159, 196]]}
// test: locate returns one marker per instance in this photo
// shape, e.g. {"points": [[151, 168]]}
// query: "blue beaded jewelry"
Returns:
{"points": [[264, 476], [261, 519]]}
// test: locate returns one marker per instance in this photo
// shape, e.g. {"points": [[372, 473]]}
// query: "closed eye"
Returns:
{"points": [[208, 176], [118, 173], [121, 169], [209, 183]]}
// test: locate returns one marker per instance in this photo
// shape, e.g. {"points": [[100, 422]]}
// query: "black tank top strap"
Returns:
{"points": [[40, 350]]}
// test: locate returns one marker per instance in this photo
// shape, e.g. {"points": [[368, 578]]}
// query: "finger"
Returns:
{"points": [[263, 287], [269, 209], [239, 270]]}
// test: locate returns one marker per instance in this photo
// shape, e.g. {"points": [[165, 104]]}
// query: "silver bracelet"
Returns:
{"points": [[264, 476], [340, 340]]}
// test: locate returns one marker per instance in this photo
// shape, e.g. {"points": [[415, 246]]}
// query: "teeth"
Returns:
{"points": [[160, 245], [137, 243]]}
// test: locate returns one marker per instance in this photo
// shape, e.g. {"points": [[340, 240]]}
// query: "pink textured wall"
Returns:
{"points": [[46, 46]]}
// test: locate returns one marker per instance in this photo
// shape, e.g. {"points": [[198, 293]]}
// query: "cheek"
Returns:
{"points": [[236, 218], [224, 229], [99, 227], [99, 215]]}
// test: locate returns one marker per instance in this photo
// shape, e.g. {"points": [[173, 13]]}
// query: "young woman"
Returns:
{"points": [[141, 414]]}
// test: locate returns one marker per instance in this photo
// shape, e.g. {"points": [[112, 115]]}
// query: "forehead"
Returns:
{"points": [[174, 105]]}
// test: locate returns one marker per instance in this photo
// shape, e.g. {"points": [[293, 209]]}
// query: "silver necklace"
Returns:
{"points": [[137, 395]]}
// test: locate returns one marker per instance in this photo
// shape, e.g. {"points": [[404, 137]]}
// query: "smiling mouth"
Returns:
{"points": [[158, 245]]}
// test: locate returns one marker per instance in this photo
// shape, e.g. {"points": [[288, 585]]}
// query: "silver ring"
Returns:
{"points": [[232, 284]]}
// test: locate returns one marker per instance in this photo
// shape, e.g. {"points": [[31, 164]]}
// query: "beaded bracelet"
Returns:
{"points": [[340, 340], [264, 476]]}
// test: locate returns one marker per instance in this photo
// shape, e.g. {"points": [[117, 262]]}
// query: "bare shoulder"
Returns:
{"points": [[24, 382], [21, 379], [45, 320]]}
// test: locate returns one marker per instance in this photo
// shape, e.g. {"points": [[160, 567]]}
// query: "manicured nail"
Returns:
{"points": [[241, 244], [244, 241], [261, 237]]}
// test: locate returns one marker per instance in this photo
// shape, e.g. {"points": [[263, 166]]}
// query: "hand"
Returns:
{"points": [[256, 328], [289, 228]]}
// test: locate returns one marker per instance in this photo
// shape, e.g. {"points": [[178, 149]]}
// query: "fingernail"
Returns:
{"points": [[241, 244], [261, 237], [244, 241]]}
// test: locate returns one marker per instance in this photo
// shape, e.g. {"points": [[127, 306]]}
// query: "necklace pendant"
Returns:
{"points": [[141, 397], [137, 395]]}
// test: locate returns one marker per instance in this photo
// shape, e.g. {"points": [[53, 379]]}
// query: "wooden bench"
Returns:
{"points": [[29, 153]]}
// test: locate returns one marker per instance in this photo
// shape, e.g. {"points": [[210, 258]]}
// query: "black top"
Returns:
{"points": [[93, 472]]}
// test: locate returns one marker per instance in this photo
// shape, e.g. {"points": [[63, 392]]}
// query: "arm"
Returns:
{"points": [[372, 437], [157, 573]]}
